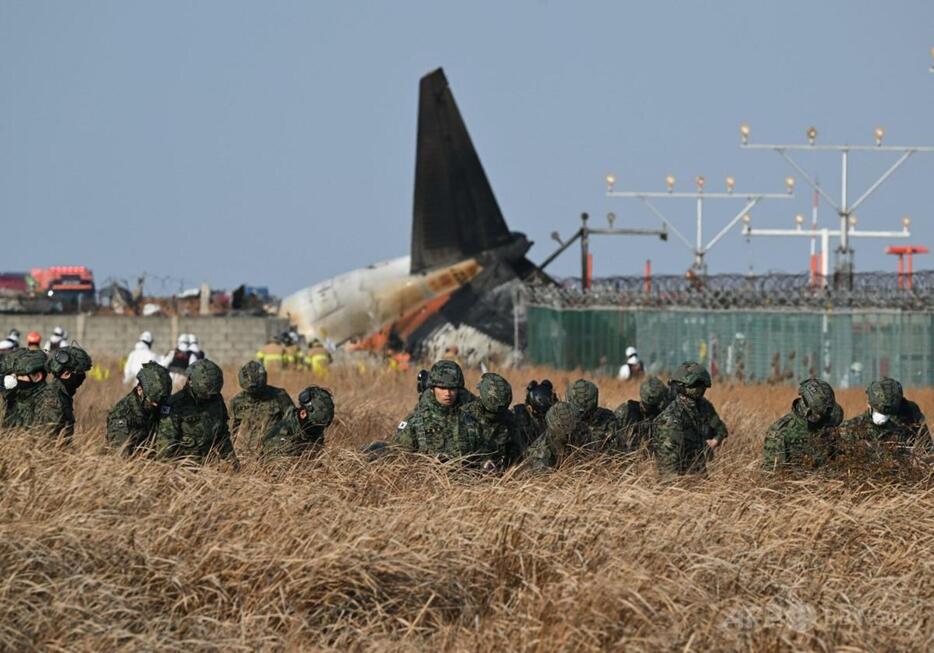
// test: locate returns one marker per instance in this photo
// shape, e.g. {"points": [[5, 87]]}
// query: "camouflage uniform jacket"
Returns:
{"points": [[529, 426], [253, 413], [635, 426], [129, 426], [597, 431], [439, 430], [497, 432], [289, 437], [191, 429], [45, 405], [681, 432], [904, 430], [546, 453], [794, 443]]}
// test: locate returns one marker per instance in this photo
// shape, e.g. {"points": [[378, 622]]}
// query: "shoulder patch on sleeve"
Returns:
{"points": [[165, 410], [403, 424]]}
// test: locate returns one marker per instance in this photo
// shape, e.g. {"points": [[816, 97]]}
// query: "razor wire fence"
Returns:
{"points": [[774, 328]]}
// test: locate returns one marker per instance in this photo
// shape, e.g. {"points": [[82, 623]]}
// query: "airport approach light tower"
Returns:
{"points": [[698, 248], [843, 272]]}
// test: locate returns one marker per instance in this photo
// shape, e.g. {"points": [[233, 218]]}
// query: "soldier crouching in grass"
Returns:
{"points": [[551, 447], [439, 426], [689, 430], [892, 431], [193, 423], [302, 429], [257, 408], [497, 423], [636, 418], [132, 422], [806, 438]]}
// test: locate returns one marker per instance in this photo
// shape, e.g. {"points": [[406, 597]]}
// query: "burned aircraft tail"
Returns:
{"points": [[455, 214], [456, 217]]}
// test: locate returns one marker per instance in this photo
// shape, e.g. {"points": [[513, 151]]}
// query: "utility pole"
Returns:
{"points": [[845, 209], [698, 248]]}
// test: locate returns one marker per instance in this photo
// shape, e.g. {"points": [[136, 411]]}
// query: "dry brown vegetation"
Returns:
{"points": [[103, 553]]}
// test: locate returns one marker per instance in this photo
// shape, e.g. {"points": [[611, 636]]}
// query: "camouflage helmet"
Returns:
{"points": [[653, 392], [8, 361], [495, 392], [30, 362], [562, 418], [690, 374], [155, 382], [252, 376], [69, 359], [885, 395], [446, 374], [584, 396], [818, 396], [205, 379], [319, 405]]}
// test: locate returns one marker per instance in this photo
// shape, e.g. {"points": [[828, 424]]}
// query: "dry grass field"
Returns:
{"points": [[99, 553]]}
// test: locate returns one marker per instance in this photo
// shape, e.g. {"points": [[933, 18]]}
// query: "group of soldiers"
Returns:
{"points": [[890, 433], [194, 423], [674, 422]]}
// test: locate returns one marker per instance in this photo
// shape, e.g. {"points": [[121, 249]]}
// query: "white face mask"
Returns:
{"points": [[879, 419], [9, 381]]}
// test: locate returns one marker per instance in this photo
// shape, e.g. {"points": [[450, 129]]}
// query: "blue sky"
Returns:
{"points": [[273, 142]]}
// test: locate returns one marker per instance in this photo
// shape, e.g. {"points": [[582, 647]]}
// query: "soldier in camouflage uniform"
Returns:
{"points": [[193, 422], [438, 425], [637, 417], [302, 429], [68, 367], [34, 403], [257, 408], [497, 423], [551, 447], [805, 438], [599, 427], [891, 428], [689, 429], [132, 422], [530, 416]]}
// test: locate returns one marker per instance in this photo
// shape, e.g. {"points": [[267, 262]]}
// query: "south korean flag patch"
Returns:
{"points": [[403, 424]]}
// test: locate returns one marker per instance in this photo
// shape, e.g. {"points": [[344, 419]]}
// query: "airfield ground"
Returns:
{"points": [[101, 553]]}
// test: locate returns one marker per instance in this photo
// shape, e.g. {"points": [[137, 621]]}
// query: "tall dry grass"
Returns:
{"points": [[102, 553]]}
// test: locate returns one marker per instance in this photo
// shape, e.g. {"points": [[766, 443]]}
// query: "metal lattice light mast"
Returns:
{"points": [[846, 210], [699, 249], [825, 235]]}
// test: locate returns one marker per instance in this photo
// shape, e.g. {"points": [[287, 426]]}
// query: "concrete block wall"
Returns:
{"points": [[226, 340]]}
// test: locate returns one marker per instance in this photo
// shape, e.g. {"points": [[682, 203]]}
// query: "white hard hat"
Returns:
{"points": [[55, 338], [631, 351], [183, 342], [14, 336], [146, 337], [192, 338], [6, 344], [58, 331]]}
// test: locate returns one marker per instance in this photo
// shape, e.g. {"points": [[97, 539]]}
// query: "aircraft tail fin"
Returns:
{"points": [[456, 215]]}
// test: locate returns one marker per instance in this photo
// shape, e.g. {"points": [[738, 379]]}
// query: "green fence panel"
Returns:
{"points": [[844, 347]]}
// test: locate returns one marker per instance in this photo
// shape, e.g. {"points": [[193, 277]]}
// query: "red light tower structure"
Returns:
{"points": [[903, 252]]}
